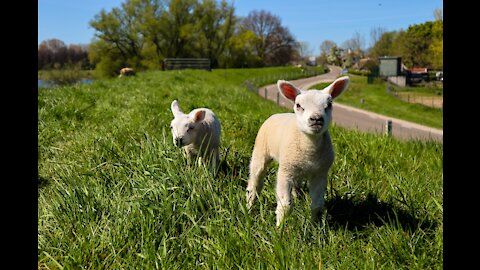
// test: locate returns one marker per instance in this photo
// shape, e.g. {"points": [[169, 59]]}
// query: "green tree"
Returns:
{"points": [[240, 50], [177, 29], [117, 39], [414, 45], [384, 45], [107, 60], [420, 45], [334, 56], [215, 26], [150, 27], [436, 47]]}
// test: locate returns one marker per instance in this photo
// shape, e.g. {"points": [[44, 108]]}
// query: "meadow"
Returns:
{"points": [[115, 193]]}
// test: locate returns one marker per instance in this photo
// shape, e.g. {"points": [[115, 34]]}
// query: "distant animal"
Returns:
{"points": [[300, 143], [198, 133], [126, 72]]}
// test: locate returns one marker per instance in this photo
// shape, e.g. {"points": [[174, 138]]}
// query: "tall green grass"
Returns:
{"points": [[114, 193]]}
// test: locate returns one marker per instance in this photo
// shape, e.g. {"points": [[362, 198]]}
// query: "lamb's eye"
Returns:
{"points": [[298, 106], [190, 128], [171, 127], [329, 104]]}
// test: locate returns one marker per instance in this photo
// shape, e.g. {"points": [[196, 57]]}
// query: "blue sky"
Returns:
{"points": [[310, 21]]}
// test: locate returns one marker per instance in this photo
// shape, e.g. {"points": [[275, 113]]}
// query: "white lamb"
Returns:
{"points": [[301, 145], [198, 133]]}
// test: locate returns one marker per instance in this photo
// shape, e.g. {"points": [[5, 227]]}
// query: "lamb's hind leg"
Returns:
{"points": [[258, 166], [297, 189]]}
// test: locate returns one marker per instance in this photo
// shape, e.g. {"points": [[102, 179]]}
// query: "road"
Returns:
{"points": [[353, 118]]}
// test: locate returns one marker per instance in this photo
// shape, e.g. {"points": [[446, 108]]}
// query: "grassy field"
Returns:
{"points": [[114, 193], [376, 99]]}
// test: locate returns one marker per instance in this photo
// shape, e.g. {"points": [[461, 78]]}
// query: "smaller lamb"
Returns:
{"points": [[300, 143], [198, 133]]}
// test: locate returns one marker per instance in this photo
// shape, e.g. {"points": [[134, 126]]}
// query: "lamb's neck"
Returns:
{"points": [[316, 142], [202, 141]]}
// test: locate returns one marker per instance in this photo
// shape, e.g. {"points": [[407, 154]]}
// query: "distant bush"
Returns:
{"points": [[359, 72], [62, 77]]}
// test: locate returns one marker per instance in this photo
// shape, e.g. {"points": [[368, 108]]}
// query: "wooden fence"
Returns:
{"points": [[183, 63], [430, 101]]}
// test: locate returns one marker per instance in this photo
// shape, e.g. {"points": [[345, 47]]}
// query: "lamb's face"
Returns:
{"points": [[185, 127], [314, 111], [183, 130], [313, 108]]}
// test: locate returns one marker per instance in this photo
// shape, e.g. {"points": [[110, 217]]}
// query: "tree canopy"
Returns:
{"points": [[421, 45], [141, 33], [54, 54]]}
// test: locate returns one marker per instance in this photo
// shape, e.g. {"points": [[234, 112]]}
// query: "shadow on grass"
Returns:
{"points": [[42, 182], [359, 214]]}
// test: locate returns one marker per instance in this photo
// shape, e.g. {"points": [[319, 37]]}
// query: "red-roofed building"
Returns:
{"points": [[418, 70], [416, 74]]}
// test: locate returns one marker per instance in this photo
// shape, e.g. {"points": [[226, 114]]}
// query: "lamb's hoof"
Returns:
{"points": [[280, 223], [250, 200], [317, 215]]}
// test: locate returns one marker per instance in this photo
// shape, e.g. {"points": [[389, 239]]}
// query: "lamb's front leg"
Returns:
{"points": [[317, 189], [214, 161], [190, 154], [284, 195]]}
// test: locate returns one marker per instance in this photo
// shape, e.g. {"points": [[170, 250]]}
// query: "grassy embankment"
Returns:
{"points": [[65, 76], [114, 192], [373, 97]]}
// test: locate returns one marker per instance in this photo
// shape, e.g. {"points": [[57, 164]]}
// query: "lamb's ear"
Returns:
{"points": [[337, 87], [288, 90], [175, 108], [199, 116]]}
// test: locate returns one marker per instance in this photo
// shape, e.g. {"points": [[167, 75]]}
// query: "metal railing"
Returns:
{"points": [[183, 63], [253, 84]]}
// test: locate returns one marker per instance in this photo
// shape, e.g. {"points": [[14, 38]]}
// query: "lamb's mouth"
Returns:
{"points": [[316, 127], [178, 142]]}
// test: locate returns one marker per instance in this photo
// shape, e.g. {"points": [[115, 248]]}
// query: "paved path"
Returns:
{"points": [[350, 117]]}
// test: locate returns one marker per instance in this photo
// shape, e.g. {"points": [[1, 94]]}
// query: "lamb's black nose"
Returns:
{"points": [[316, 120]]}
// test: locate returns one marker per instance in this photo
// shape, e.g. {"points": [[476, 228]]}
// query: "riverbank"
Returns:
{"points": [[63, 76]]}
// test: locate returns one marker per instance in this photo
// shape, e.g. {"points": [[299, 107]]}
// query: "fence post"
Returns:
{"points": [[388, 128]]}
